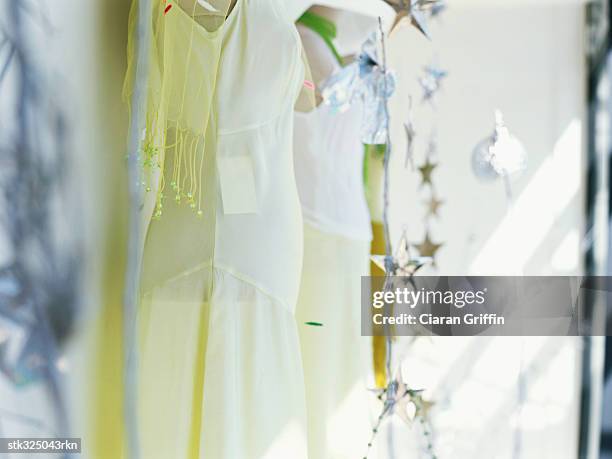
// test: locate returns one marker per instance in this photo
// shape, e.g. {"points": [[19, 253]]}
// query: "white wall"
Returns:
{"points": [[527, 61], [525, 58]]}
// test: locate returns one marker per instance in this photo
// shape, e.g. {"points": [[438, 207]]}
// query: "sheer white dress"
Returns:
{"points": [[337, 234]]}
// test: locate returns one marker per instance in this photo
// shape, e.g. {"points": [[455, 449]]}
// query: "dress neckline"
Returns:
{"points": [[219, 31]]}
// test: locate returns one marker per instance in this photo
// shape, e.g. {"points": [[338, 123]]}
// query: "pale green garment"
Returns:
{"points": [[336, 357], [220, 368]]}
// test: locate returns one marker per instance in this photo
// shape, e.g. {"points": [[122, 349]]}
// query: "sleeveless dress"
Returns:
{"points": [[220, 372], [337, 234]]}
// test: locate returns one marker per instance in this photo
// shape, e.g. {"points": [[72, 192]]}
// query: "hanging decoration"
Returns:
{"points": [[363, 80], [431, 82], [427, 248], [396, 397], [433, 205], [432, 146], [438, 8], [402, 264], [410, 137], [409, 405], [416, 11], [500, 155], [370, 80], [426, 171]]}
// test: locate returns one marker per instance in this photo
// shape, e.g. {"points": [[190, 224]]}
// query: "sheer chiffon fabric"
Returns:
{"points": [[222, 378], [337, 359], [220, 370], [329, 169], [329, 159]]}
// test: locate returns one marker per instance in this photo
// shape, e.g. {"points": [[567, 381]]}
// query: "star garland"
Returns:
{"points": [[410, 132], [416, 12], [408, 404], [427, 247], [370, 80], [402, 264], [430, 83], [397, 398], [426, 171]]}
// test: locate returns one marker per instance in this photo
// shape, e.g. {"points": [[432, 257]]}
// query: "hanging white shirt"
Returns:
{"points": [[328, 156]]}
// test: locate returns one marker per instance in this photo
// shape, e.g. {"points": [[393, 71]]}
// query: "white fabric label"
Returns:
{"points": [[237, 181]]}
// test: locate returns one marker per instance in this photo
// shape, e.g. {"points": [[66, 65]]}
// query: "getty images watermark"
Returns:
{"points": [[40, 445], [499, 306], [412, 298]]}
